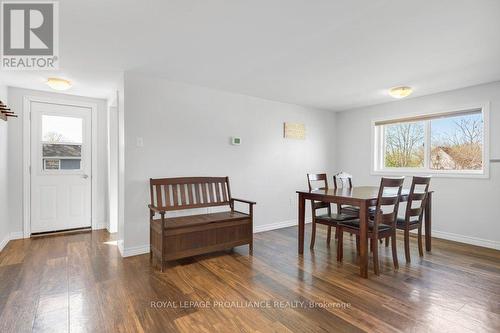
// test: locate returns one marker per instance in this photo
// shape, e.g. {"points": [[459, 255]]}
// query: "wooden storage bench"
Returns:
{"points": [[185, 236]]}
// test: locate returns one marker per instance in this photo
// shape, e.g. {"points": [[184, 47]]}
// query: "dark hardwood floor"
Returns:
{"points": [[80, 283]]}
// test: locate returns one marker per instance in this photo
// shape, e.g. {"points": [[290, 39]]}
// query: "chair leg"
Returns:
{"points": [[380, 240], [370, 244], [375, 256], [340, 244], [250, 248], [394, 250], [313, 234], [407, 245], [329, 235], [420, 247], [387, 241], [357, 243]]}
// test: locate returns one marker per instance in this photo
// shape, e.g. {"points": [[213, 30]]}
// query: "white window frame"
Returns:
{"points": [[378, 142]]}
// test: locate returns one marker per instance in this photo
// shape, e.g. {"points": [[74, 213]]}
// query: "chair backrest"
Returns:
{"points": [[388, 201], [343, 179], [318, 181], [189, 192], [417, 198], [321, 178]]}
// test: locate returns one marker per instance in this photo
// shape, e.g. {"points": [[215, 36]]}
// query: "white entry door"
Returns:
{"points": [[60, 167]]}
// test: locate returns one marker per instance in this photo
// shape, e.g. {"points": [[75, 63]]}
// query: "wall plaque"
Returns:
{"points": [[294, 131]]}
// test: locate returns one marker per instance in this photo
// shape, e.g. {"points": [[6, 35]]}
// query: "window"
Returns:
{"points": [[61, 143], [457, 142], [404, 145], [452, 143]]}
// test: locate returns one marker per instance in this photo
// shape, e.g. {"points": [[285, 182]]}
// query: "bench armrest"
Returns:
{"points": [[156, 209], [244, 201], [250, 205]]}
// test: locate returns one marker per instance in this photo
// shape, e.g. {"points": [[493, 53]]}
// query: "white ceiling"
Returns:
{"points": [[327, 54]]}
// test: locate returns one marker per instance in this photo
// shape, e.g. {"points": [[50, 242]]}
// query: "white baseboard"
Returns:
{"points": [[111, 231], [16, 235], [135, 251], [4, 242], [120, 247], [98, 225], [9, 237], [466, 239], [277, 225]]}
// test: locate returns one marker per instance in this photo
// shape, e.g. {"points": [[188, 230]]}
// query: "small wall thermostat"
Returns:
{"points": [[235, 141]]}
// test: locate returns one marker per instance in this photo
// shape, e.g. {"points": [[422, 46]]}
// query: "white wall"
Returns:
{"points": [[121, 164], [4, 205], [15, 155], [464, 209], [186, 131], [112, 225]]}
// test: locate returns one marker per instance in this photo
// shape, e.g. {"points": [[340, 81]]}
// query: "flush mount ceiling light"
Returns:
{"points": [[58, 84], [400, 92]]}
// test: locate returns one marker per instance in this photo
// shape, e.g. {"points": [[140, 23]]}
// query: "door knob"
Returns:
{"points": [[85, 176]]}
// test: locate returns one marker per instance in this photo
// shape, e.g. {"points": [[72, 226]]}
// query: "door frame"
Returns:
{"points": [[27, 100]]}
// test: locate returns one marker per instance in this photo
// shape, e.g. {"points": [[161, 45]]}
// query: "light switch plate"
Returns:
{"points": [[140, 142]]}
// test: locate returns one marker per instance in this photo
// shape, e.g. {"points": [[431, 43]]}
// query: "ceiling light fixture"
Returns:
{"points": [[58, 84], [400, 92]]}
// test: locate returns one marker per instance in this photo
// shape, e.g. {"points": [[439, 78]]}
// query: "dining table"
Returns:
{"points": [[363, 197]]}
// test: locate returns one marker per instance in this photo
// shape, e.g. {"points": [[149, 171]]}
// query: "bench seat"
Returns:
{"points": [[194, 220]]}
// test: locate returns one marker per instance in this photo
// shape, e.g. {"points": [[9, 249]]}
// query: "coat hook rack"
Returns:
{"points": [[5, 112]]}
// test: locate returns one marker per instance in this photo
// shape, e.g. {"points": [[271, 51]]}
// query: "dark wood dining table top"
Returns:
{"points": [[355, 193]]}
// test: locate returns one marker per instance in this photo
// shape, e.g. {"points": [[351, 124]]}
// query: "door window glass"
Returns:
{"points": [[62, 139]]}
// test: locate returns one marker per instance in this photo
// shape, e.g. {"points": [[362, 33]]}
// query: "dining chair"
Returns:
{"points": [[320, 182], [344, 180], [414, 213], [381, 225]]}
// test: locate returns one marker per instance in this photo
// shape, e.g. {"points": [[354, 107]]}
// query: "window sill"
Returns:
{"points": [[434, 173]]}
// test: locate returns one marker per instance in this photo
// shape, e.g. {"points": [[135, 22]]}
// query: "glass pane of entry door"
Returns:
{"points": [[62, 139]]}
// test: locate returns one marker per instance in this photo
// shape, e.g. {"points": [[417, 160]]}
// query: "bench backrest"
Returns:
{"points": [[190, 192]]}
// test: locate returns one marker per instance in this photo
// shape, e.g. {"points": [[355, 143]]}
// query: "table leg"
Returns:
{"points": [[428, 223], [301, 218], [363, 240]]}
